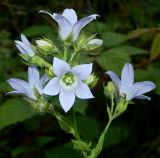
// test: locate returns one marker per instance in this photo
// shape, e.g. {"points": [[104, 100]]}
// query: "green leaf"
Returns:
{"points": [[38, 30], [21, 150], [80, 145], [137, 33], [115, 135], [155, 48], [80, 106], [88, 127], [111, 39], [62, 152], [43, 140], [64, 122], [13, 111], [155, 77], [113, 61]]}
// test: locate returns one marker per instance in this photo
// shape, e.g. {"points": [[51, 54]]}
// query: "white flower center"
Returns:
{"points": [[68, 81]]}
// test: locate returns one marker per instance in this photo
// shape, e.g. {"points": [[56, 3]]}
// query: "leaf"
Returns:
{"points": [[80, 145], [115, 135], [38, 30], [21, 150], [127, 49], [137, 33], [88, 127], [113, 61], [155, 48], [13, 111], [43, 140], [64, 122], [155, 77], [111, 39], [80, 106], [62, 152]]}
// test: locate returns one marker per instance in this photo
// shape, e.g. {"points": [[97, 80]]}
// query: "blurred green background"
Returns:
{"points": [[131, 33]]}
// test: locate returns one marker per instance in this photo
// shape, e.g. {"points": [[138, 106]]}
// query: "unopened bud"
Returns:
{"points": [[94, 43], [46, 45], [91, 81], [109, 90]]}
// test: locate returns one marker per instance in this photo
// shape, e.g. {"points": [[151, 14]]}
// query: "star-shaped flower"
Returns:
{"points": [[24, 46], [68, 83], [34, 84], [126, 87], [68, 24]]}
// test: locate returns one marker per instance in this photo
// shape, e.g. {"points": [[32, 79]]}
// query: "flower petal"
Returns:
{"points": [[82, 23], [143, 97], [33, 76], [52, 88], [114, 78], [43, 80], [65, 27], [66, 99], [127, 76], [22, 87], [21, 49], [70, 15], [82, 71], [83, 91], [60, 67], [140, 88], [25, 41]]}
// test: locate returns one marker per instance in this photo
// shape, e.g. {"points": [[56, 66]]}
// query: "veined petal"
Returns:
{"points": [[25, 41], [114, 78], [60, 67], [43, 11], [33, 76], [24, 48], [127, 76], [65, 27], [82, 23], [142, 97], [22, 87], [82, 71], [66, 99], [21, 49], [70, 15], [43, 80], [52, 88], [82, 91], [140, 88]]}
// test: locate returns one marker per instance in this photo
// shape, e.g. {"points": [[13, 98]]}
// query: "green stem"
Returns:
{"points": [[96, 151], [77, 136], [65, 53]]}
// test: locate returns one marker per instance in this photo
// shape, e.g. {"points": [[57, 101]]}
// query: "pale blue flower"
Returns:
{"points": [[126, 85], [68, 83], [24, 46], [34, 84], [68, 24]]}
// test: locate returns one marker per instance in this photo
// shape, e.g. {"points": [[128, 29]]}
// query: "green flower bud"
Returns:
{"points": [[91, 81], [94, 43], [109, 90], [122, 105], [46, 45]]}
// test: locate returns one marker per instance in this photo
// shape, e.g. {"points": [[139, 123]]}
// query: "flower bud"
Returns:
{"points": [[122, 105], [46, 45], [109, 90], [94, 43], [91, 81]]}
